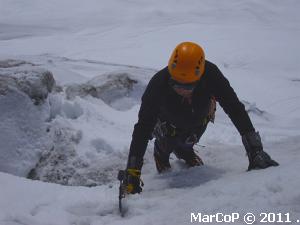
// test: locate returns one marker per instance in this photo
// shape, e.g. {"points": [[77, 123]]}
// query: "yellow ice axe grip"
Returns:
{"points": [[129, 188], [134, 172]]}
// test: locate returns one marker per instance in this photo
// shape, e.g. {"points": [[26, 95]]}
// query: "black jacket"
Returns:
{"points": [[161, 101]]}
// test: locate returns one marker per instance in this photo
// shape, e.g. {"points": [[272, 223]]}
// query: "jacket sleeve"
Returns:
{"points": [[230, 103], [147, 118]]}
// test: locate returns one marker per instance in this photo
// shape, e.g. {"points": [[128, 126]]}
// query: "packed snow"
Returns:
{"points": [[71, 77]]}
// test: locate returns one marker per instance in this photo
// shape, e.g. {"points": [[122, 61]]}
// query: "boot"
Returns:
{"points": [[190, 157], [162, 162], [161, 158]]}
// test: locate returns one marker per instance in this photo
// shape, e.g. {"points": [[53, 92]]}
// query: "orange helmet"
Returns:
{"points": [[187, 62]]}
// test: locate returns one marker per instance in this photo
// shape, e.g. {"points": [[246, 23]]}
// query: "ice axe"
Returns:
{"points": [[122, 191]]}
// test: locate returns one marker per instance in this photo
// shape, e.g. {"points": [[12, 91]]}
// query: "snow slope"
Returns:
{"points": [[88, 43]]}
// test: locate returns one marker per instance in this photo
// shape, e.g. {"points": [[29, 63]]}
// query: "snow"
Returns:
{"points": [[102, 55], [24, 110]]}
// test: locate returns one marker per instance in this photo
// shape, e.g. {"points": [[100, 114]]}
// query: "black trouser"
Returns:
{"points": [[178, 141]]}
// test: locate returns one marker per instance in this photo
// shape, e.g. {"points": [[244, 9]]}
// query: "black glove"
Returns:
{"points": [[258, 158], [132, 178], [133, 181]]}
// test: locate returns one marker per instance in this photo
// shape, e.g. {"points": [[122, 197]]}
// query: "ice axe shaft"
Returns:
{"points": [[121, 176]]}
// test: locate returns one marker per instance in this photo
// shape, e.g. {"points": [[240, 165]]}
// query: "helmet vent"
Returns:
{"points": [[175, 60], [200, 61]]}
